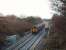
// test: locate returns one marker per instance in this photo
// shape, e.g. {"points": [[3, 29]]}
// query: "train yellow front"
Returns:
{"points": [[36, 28]]}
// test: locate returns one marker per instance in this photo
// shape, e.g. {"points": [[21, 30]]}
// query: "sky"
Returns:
{"points": [[39, 8]]}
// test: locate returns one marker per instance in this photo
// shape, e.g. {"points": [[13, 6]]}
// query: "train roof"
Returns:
{"points": [[39, 24]]}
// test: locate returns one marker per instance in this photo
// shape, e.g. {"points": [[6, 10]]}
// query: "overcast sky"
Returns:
{"points": [[26, 7]]}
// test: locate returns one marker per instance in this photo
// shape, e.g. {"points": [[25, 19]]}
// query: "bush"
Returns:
{"points": [[57, 38]]}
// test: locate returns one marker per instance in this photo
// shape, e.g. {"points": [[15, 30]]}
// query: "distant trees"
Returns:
{"points": [[33, 20]]}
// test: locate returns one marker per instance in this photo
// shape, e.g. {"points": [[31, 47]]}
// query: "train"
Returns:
{"points": [[36, 28]]}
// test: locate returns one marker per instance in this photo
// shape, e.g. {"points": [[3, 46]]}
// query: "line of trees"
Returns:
{"points": [[11, 24]]}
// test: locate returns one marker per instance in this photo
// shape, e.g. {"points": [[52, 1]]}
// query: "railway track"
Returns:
{"points": [[19, 42], [22, 44], [28, 43], [38, 44]]}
